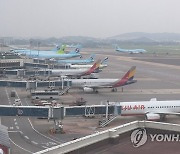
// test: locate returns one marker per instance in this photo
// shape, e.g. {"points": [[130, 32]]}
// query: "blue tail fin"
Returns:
{"points": [[56, 48], [104, 61], [74, 51], [92, 57]]}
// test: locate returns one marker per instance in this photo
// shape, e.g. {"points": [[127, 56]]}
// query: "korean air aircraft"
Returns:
{"points": [[131, 50], [59, 53], [31, 51], [103, 64], [78, 61], [74, 46]]}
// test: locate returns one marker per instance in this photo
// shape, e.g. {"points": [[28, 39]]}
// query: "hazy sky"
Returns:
{"points": [[95, 18]]}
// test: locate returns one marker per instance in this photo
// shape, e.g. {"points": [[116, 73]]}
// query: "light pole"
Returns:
{"points": [[38, 50], [30, 46], [38, 47]]}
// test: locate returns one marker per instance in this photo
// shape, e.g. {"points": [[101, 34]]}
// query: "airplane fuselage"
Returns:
{"points": [[47, 54], [131, 50], [68, 72], [87, 66], [81, 83], [85, 61], [152, 109]]}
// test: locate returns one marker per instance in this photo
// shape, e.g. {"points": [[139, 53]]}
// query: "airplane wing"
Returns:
{"points": [[159, 115], [168, 113]]}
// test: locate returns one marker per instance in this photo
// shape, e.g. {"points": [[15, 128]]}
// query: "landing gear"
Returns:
{"points": [[145, 117], [162, 118], [96, 91]]}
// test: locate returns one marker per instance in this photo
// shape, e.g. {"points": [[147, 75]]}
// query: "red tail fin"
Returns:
{"points": [[94, 67], [127, 78]]}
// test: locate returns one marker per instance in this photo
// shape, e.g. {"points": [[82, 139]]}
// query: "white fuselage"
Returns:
{"points": [[81, 83], [147, 107], [70, 72], [87, 66]]}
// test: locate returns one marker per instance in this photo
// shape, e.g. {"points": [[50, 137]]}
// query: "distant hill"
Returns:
{"points": [[77, 39], [126, 38], [147, 37]]}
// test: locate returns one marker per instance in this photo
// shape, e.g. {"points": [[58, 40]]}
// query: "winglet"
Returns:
{"points": [[127, 78]]}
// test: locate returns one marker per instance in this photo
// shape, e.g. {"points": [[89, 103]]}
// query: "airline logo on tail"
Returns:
{"points": [[104, 61], [62, 49], [127, 78], [77, 50], [94, 67], [92, 57]]}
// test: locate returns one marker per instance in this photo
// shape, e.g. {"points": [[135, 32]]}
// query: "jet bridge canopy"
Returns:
{"points": [[58, 112], [32, 111]]}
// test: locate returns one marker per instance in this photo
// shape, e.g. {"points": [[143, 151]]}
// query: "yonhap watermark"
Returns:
{"points": [[165, 137], [139, 137]]}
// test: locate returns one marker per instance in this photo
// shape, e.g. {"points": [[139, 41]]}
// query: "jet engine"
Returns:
{"points": [[87, 89], [153, 116]]}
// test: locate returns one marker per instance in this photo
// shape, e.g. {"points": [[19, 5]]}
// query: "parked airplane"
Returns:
{"points": [[103, 64], [78, 61], [32, 51], [92, 85], [59, 54], [73, 46], [130, 50], [152, 110], [76, 72]]}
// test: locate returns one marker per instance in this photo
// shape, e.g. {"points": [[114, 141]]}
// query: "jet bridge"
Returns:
{"points": [[92, 110], [32, 111], [58, 113], [110, 112]]}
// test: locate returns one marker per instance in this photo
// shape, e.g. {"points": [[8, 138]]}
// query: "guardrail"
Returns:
{"points": [[111, 133]]}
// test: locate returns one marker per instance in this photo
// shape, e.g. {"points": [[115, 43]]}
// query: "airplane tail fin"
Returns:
{"points": [[104, 61], [56, 48], [94, 67], [62, 49], [117, 47], [92, 57], [74, 51], [127, 78], [77, 50]]}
